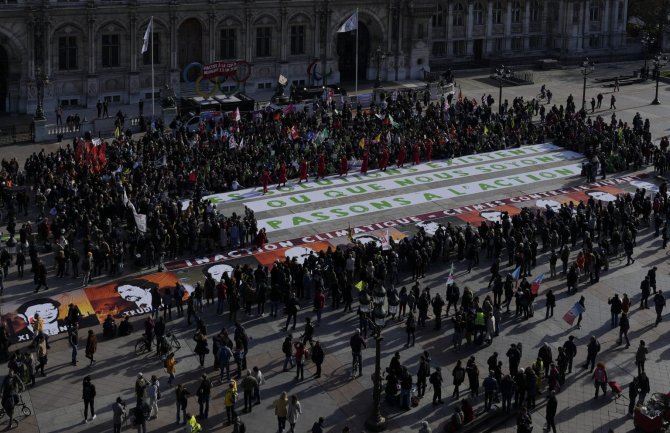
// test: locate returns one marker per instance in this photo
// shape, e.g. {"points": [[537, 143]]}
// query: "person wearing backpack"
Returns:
{"points": [[229, 401], [436, 382]]}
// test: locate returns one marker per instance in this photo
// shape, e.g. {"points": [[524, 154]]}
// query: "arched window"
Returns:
{"points": [[516, 12], [535, 11], [595, 10], [478, 14], [459, 15], [438, 18], [497, 12]]}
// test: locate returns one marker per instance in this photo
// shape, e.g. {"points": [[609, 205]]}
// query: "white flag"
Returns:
{"points": [[147, 36], [350, 24], [141, 221], [238, 117], [282, 80]]}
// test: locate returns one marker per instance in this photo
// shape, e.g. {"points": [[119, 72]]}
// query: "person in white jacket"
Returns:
{"points": [[259, 379], [293, 412]]}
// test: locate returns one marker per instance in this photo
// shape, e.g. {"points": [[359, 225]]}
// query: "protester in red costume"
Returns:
{"points": [[281, 177], [344, 165], [302, 171], [364, 163]]}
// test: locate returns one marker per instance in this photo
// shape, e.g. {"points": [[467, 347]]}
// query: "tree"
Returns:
{"points": [[653, 15]]}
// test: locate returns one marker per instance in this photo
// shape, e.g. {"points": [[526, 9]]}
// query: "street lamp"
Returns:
{"points": [[500, 74], [41, 81], [376, 422], [587, 69], [647, 41], [659, 62], [379, 57]]}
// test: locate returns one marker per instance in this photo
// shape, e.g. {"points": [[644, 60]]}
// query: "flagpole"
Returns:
{"points": [[153, 91], [356, 82]]}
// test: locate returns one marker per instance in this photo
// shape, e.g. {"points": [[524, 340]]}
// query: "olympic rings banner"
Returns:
{"points": [[217, 73]]}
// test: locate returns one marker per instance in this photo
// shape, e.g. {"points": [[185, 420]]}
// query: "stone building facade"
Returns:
{"points": [[91, 50]]}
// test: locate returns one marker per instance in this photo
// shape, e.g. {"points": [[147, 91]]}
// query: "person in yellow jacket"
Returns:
{"points": [[229, 401], [192, 425], [281, 410], [171, 367]]}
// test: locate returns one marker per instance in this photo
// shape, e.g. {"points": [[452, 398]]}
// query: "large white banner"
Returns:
{"points": [[415, 198], [246, 194], [317, 196]]}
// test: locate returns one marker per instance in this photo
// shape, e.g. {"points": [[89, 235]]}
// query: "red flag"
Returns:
{"points": [[193, 177]]}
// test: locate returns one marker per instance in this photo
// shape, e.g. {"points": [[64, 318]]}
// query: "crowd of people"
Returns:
{"points": [[87, 218]]}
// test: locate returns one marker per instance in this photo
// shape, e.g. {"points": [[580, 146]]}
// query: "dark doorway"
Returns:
{"points": [[189, 45], [478, 49], [4, 79], [346, 53]]}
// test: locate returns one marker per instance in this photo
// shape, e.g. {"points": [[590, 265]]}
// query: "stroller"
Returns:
{"points": [[616, 389]]}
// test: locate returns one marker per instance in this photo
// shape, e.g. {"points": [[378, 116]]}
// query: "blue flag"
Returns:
{"points": [[517, 273]]}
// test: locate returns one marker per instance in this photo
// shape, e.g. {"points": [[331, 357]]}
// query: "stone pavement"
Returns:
{"points": [[58, 407]]}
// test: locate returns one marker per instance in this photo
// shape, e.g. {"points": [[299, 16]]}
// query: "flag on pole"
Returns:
{"points": [[450, 280], [350, 234], [517, 273], [360, 285], [350, 24], [535, 285], [237, 116], [147, 35], [386, 240], [573, 313]]}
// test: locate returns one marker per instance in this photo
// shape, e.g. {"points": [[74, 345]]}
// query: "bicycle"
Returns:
{"points": [[142, 346], [25, 410]]}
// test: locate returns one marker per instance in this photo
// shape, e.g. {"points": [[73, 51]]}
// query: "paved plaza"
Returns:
{"points": [[515, 179]]}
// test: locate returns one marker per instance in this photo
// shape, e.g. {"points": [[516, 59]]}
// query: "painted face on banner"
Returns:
{"points": [[646, 185], [429, 227], [299, 253], [47, 311], [494, 216], [553, 204], [368, 239], [136, 294], [217, 271], [601, 195]]}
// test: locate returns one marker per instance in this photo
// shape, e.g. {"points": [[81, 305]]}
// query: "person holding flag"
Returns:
{"points": [[574, 312]]}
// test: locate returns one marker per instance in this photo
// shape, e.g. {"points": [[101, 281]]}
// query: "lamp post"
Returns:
{"points": [[379, 57], [659, 62], [500, 74], [376, 422], [587, 69], [41, 81], [647, 41]]}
